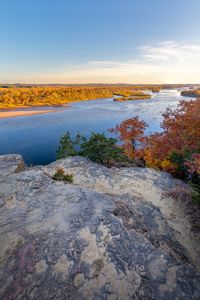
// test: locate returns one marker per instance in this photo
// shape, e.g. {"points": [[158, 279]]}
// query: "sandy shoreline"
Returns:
{"points": [[11, 114]]}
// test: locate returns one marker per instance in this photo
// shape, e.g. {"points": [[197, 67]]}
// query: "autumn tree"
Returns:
{"points": [[131, 133], [13, 96], [176, 149]]}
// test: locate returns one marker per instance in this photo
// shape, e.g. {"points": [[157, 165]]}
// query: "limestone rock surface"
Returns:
{"points": [[109, 235]]}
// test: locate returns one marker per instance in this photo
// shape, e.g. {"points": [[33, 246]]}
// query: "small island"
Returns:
{"points": [[18, 96], [137, 95], [191, 93], [155, 90]]}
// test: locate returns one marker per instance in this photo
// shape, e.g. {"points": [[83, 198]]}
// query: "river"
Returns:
{"points": [[36, 137]]}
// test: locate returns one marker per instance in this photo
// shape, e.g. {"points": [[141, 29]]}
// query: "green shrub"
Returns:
{"points": [[101, 149], [195, 192], [179, 159], [67, 146], [97, 148], [61, 176]]}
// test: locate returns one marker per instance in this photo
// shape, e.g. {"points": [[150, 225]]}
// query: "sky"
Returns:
{"points": [[100, 41]]}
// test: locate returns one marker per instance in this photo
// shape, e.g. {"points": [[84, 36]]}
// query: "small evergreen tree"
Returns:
{"points": [[97, 148], [101, 149], [67, 146]]}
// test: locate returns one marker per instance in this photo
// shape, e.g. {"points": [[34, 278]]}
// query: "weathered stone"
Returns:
{"points": [[10, 164], [94, 239], [148, 184]]}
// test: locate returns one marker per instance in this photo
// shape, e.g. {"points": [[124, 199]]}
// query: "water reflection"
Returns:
{"points": [[36, 137]]}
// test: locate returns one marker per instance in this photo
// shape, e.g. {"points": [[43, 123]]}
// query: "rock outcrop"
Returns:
{"points": [[109, 235]]}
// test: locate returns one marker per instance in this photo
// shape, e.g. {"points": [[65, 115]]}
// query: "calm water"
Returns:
{"points": [[37, 137]]}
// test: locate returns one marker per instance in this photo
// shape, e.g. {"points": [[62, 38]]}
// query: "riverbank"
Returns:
{"points": [[50, 96], [43, 132], [19, 113], [191, 93]]}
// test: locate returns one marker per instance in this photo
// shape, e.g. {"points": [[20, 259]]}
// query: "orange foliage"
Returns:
{"points": [[131, 132], [181, 136], [54, 95], [176, 149]]}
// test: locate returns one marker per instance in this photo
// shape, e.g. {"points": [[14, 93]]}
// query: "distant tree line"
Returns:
{"points": [[55, 95]]}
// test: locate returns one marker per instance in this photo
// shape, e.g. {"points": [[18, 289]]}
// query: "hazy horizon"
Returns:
{"points": [[96, 83], [85, 42]]}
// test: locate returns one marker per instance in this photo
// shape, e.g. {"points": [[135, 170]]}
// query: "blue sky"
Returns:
{"points": [[136, 41]]}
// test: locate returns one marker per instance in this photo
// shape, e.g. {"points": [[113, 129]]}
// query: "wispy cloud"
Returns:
{"points": [[166, 62], [170, 51]]}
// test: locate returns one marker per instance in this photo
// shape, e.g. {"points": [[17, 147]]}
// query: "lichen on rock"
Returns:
{"points": [[106, 236]]}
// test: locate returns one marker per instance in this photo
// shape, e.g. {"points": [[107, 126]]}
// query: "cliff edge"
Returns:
{"points": [[112, 234]]}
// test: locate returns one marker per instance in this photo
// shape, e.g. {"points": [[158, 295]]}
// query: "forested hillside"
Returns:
{"points": [[55, 95]]}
